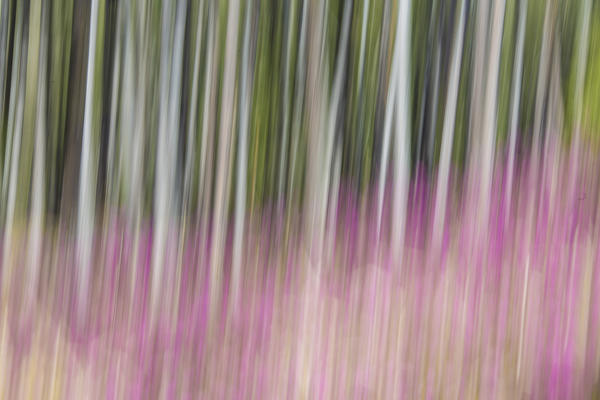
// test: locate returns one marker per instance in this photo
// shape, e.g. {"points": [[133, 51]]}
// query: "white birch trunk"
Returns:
{"points": [[515, 101], [221, 198], [170, 87], [441, 194], [403, 129], [87, 176], [490, 114], [242, 160]]}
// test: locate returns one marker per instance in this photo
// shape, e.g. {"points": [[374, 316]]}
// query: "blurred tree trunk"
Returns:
{"points": [[75, 109]]}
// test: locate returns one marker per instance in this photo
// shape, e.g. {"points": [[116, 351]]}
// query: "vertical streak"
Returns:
{"points": [[87, 178], [114, 103], [514, 115], [140, 124], [333, 202], [299, 99], [314, 114], [491, 99], [15, 128], [162, 184], [242, 158], [189, 156], [286, 100], [542, 77], [175, 89], [332, 120], [387, 125], [522, 322], [206, 147], [10, 151], [359, 117], [363, 39], [441, 195], [403, 129], [477, 94], [315, 121], [5, 24], [434, 105], [582, 54], [127, 132], [221, 198], [171, 64], [37, 208]]}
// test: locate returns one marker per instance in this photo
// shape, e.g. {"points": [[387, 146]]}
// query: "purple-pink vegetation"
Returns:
{"points": [[510, 311]]}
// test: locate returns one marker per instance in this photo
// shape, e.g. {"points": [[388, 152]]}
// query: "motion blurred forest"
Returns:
{"points": [[127, 67]]}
